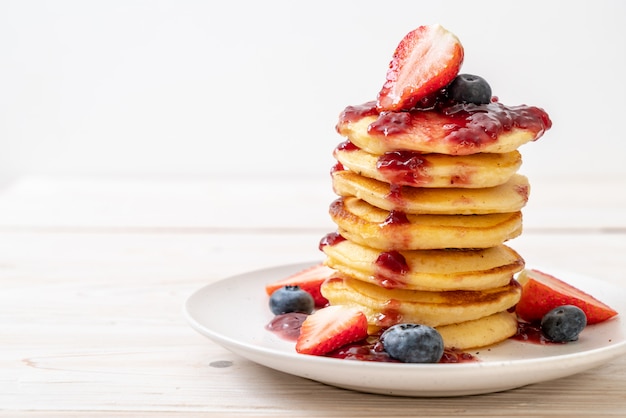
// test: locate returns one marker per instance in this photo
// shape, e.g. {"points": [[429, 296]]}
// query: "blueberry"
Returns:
{"points": [[413, 343], [469, 88], [291, 299], [563, 324]]}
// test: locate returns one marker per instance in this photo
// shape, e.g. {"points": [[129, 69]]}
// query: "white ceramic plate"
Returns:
{"points": [[234, 312]]}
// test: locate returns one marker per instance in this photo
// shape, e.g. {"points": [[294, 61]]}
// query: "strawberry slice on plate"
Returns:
{"points": [[426, 60], [310, 280], [330, 328], [542, 292]]}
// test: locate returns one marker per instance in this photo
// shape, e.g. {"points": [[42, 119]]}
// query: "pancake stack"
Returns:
{"points": [[427, 199]]}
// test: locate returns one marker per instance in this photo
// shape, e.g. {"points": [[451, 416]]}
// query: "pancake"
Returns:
{"points": [[408, 168], [368, 225], [480, 332], [463, 129], [508, 197], [386, 307], [427, 270]]}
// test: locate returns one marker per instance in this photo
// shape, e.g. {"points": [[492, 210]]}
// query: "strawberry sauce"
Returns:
{"points": [[337, 167], [355, 113], [287, 326], [409, 168], [391, 266], [390, 314], [331, 238], [371, 349], [465, 124], [396, 217], [531, 333], [404, 167], [347, 146]]}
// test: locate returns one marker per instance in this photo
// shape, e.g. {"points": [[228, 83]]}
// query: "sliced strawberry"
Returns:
{"points": [[310, 280], [330, 328], [542, 292], [426, 60]]}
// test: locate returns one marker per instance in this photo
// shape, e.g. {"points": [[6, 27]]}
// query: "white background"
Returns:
{"points": [[254, 87]]}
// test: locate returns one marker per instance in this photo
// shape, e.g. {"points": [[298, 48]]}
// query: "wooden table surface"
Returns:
{"points": [[95, 272]]}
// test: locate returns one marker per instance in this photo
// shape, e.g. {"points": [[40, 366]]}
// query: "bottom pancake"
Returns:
{"points": [[386, 307], [464, 319], [481, 332]]}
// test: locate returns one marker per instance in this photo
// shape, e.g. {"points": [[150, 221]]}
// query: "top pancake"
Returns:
{"points": [[464, 319], [462, 129], [434, 309]]}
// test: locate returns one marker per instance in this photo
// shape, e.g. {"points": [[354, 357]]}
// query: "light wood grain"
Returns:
{"points": [[286, 203], [91, 323]]}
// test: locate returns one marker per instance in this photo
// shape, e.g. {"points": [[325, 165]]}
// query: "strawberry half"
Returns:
{"points": [[330, 328], [542, 292], [310, 280], [426, 60]]}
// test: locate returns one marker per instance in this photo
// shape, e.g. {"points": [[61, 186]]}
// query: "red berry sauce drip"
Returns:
{"points": [[287, 326], [404, 167], [391, 266], [395, 217], [332, 238], [390, 315], [392, 123], [371, 349], [347, 146], [355, 113], [457, 356], [393, 262], [467, 125], [337, 167], [471, 124], [531, 333]]}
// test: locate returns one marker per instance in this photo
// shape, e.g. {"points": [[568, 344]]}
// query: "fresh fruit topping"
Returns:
{"points": [[330, 328], [469, 88], [563, 324], [413, 343], [291, 299], [542, 292], [427, 59], [310, 280]]}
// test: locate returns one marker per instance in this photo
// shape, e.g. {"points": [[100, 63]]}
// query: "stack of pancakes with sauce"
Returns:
{"points": [[427, 199]]}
